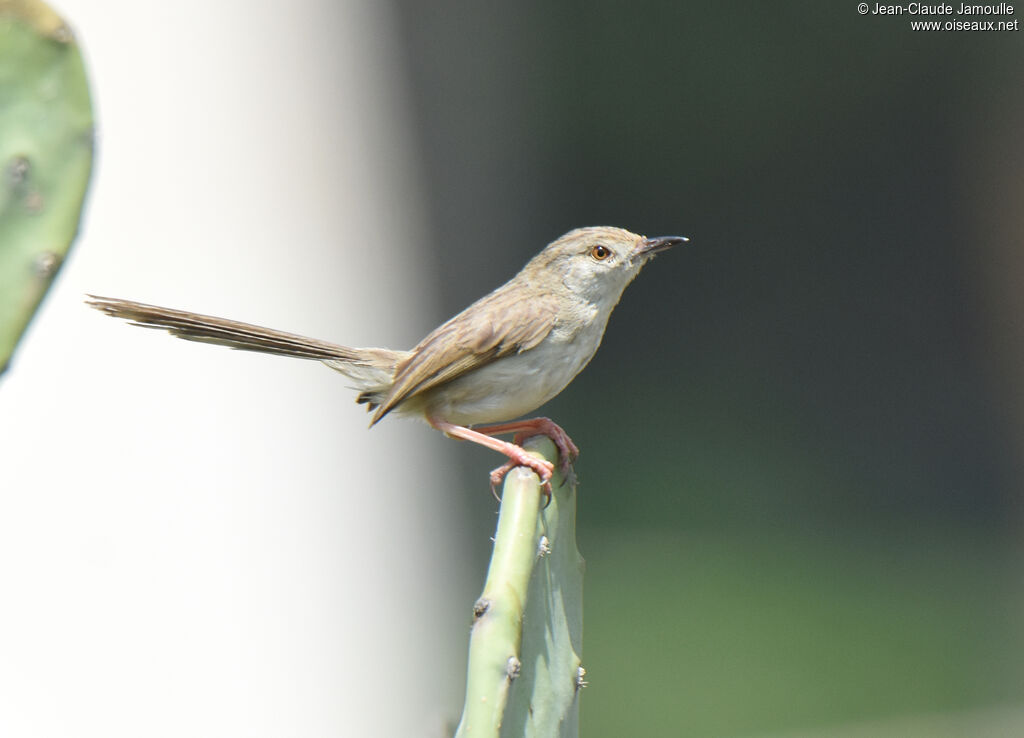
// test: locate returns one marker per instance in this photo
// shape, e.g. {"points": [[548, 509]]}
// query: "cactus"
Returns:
{"points": [[46, 135], [524, 672]]}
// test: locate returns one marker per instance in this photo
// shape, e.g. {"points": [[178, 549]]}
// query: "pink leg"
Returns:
{"points": [[567, 450], [536, 426], [517, 456]]}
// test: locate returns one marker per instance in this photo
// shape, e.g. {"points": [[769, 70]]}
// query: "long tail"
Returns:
{"points": [[370, 366]]}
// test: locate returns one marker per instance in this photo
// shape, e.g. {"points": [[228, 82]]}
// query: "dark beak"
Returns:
{"points": [[652, 246]]}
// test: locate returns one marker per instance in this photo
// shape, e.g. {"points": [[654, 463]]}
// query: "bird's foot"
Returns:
{"points": [[516, 454], [523, 429], [544, 469]]}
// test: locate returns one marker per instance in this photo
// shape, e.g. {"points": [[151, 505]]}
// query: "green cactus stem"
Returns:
{"points": [[46, 148], [524, 673]]}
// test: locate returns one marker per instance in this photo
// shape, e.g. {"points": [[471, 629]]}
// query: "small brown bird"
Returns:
{"points": [[502, 357]]}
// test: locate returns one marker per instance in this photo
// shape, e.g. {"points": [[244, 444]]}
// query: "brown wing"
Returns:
{"points": [[498, 325]]}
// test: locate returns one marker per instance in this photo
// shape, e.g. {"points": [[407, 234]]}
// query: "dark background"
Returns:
{"points": [[801, 439]]}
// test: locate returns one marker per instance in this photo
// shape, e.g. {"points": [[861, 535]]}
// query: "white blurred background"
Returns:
{"points": [[195, 541]]}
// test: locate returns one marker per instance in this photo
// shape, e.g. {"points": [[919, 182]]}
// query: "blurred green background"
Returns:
{"points": [[801, 440]]}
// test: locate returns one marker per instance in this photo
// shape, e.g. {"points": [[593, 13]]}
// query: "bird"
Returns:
{"points": [[470, 378]]}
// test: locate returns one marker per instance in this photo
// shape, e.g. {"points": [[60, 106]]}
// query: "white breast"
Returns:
{"points": [[516, 385]]}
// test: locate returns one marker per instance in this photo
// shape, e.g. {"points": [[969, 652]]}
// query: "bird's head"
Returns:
{"points": [[597, 263]]}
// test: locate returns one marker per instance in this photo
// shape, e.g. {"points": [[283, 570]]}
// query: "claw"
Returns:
{"points": [[567, 452], [544, 470]]}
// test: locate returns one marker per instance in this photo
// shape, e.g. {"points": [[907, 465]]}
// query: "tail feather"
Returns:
{"points": [[371, 367]]}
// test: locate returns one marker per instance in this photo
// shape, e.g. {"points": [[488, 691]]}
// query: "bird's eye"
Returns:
{"points": [[600, 252]]}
